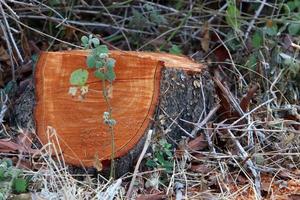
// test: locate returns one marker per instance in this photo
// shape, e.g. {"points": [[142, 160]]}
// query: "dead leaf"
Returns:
{"points": [[9, 146], [199, 143], [200, 168], [265, 185], [294, 197], [24, 196], [97, 163], [25, 139], [244, 104], [157, 196], [4, 56], [206, 38], [199, 156], [110, 91], [23, 163], [242, 180]]}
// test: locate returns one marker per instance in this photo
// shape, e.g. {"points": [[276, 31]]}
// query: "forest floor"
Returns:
{"points": [[248, 147]]}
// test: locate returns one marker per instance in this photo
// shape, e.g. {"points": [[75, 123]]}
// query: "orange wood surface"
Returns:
{"points": [[78, 123]]}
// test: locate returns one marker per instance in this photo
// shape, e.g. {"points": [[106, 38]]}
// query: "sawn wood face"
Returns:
{"points": [[79, 123]]}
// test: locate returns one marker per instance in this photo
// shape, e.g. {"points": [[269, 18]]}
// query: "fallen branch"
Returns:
{"points": [[136, 169], [244, 155]]}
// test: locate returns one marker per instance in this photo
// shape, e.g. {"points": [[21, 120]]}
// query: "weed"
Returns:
{"points": [[99, 60], [11, 179], [162, 156], [270, 41]]}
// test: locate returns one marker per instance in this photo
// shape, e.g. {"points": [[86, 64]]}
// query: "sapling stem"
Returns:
{"points": [[104, 70], [111, 129]]}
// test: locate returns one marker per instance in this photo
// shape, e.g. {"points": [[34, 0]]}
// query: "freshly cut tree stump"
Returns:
{"points": [[149, 87]]}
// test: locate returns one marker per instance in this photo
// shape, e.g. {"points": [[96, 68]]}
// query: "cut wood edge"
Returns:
{"points": [[169, 60], [163, 60]]}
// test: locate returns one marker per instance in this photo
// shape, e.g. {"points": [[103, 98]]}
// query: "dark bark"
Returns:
{"points": [[181, 97]]}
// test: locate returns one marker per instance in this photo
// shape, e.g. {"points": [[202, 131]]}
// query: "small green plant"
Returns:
{"points": [[162, 156], [103, 66], [11, 179], [175, 50], [233, 15]]}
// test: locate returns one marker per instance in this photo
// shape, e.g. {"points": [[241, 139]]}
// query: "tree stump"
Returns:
{"points": [[151, 89]]}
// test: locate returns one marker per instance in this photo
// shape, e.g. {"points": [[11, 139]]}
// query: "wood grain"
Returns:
{"points": [[78, 123]]}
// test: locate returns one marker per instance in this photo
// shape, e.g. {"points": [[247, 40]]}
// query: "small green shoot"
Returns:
{"points": [[233, 15], [99, 60], [162, 156]]}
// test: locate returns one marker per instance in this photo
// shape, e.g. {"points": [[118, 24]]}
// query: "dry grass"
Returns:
{"points": [[252, 153]]}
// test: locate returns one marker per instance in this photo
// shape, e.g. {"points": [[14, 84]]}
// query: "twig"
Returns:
{"points": [[178, 189], [230, 98], [9, 8], [44, 34], [4, 99], [244, 155], [9, 32], [112, 18], [199, 125], [136, 169], [9, 50], [158, 37], [211, 19], [94, 24], [257, 13], [273, 85], [230, 56], [220, 10], [250, 112], [111, 191], [173, 121], [295, 45], [169, 9]]}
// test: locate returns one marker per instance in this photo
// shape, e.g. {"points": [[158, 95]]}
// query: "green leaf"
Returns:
{"points": [[20, 185], [84, 40], [232, 17], [79, 77], [110, 63], [2, 173], [257, 39], [252, 61], [160, 157], [175, 50], [100, 75], [13, 172], [100, 49], [151, 163], [231, 41], [91, 61], [291, 5], [54, 2], [110, 75], [99, 64], [157, 18], [167, 145], [2, 197], [8, 162], [294, 28], [73, 91], [272, 29], [169, 153], [138, 20], [167, 164], [95, 42]]}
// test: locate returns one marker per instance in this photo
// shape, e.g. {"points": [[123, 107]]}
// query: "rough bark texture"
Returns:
{"points": [[183, 95], [24, 108]]}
